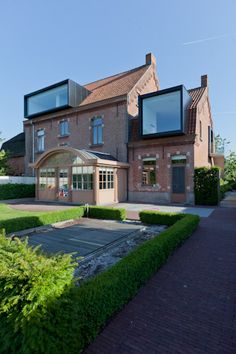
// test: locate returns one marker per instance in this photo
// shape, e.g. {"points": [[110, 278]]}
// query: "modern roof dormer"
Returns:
{"points": [[53, 98], [164, 112]]}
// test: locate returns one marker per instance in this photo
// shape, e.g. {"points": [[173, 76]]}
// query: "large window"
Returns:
{"points": [[47, 100], [47, 178], [82, 177], [40, 140], [64, 128], [97, 130], [106, 178], [164, 112], [149, 172]]}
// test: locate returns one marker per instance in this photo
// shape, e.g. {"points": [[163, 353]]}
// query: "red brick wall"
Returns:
{"points": [[115, 132], [161, 192], [201, 156]]}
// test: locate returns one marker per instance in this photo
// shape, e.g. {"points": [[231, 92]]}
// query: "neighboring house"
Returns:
{"points": [[15, 147], [119, 138]]}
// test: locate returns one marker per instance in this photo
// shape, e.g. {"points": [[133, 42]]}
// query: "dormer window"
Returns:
{"points": [[164, 112], [53, 98], [64, 128]]}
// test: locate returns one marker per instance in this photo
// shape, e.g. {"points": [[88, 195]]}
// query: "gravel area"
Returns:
{"points": [[102, 260]]}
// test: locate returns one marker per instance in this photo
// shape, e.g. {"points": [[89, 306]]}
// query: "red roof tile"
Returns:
{"points": [[113, 86]]}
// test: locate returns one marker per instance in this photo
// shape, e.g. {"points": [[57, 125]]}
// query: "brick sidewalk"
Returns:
{"points": [[189, 306]]}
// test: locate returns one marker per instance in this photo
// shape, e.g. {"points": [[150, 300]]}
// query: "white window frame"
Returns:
{"points": [[64, 127], [96, 127], [40, 135]]}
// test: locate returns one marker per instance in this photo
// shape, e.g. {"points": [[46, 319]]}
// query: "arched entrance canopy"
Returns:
{"points": [[68, 156], [81, 176]]}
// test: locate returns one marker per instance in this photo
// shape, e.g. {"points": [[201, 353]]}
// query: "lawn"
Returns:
{"points": [[6, 212]]}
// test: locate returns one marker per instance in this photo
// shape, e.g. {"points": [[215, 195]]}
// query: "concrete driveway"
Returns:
{"points": [[83, 238]]}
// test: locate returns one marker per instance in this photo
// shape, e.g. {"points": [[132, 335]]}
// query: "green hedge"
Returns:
{"points": [[27, 222], [159, 218], [72, 321], [107, 213], [206, 186], [15, 191]]}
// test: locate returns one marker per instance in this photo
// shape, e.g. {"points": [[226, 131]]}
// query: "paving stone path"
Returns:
{"points": [[189, 306]]}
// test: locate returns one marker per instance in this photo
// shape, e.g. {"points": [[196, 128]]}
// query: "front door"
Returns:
{"points": [[63, 185], [178, 184]]}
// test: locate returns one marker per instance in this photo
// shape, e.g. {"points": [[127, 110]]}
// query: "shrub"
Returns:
{"points": [[107, 213], [75, 318], [27, 222], [29, 282], [225, 187], [159, 218], [206, 186], [15, 191]]}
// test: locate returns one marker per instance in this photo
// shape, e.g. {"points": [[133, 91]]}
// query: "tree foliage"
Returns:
{"points": [[4, 169], [221, 143], [230, 167]]}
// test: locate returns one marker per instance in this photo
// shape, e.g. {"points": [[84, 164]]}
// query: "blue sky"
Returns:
{"points": [[43, 42]]}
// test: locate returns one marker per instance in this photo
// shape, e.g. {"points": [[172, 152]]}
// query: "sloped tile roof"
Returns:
{"points": [[15, 146], [113, 86], [90, 155], [196, 95]]}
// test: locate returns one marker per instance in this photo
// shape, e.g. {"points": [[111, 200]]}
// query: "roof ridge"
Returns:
{"points": [[196, 88], [115, 76]]}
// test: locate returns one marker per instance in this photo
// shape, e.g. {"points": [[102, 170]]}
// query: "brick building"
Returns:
{"points": [[119, 138], [15, 147]]}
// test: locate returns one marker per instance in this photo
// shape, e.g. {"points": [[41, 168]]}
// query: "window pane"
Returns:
{"points": [[64, 127], [50, 99], [99, 137], [95, 140], [40, 140], [97, 130], [162, 113], [149, 172]]}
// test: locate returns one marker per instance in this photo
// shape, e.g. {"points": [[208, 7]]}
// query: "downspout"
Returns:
{"points": [[33, 147], [127, 146]]}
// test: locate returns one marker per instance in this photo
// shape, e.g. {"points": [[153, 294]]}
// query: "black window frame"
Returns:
{"points": [[180, 131], [58, 84]]}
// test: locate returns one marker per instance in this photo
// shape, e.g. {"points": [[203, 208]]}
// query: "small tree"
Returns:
{"points": [[4, 168], [230, 168], [221, 143]]}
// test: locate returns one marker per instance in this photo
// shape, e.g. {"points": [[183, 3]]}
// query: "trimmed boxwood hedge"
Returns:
{"points": [[27, 222], [107, 213], [75, 318], [15, 191], [159, 218]]}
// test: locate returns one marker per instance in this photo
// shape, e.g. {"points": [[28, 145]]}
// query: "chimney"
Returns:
{"points": [[150, 59], [204, 81]]}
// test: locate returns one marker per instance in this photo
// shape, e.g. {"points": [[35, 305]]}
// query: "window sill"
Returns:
{"points": [[96, 145], [63, 136], [82, 190], [39, 152]]}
